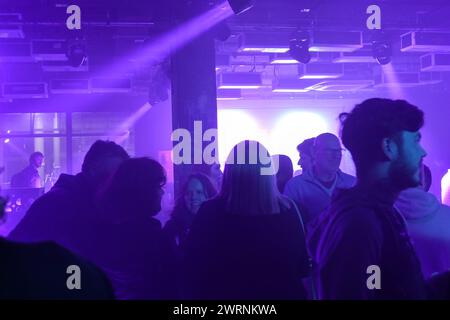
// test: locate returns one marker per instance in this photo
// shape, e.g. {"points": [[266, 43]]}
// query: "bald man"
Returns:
{"points": [[313, 189]]}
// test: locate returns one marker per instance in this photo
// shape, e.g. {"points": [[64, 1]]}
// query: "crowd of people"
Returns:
{"points": [[243, 234]]}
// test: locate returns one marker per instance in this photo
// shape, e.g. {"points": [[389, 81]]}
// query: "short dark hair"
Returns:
{"points": [[136, 181], [306, 146], [35, 154], [100, 150], [364, 128]]}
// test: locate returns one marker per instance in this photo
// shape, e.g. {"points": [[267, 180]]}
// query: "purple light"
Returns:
{"points": [[320, 76], [7, 140], [161, 47], [284, 61], [239, 87], [445, 187], [175, 39], [123, 131], [395, 91], [266, 50], [289, 90], [341, 48]]}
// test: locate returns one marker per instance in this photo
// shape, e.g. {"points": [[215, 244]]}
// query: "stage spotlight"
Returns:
{"points": [[159, 84], [381, 48], [76, 54], [222, 32], [299, 46], [240, 6], [382, 52]]}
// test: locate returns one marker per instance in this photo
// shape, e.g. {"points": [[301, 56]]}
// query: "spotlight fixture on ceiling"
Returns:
{"points": [[381, 49], [159, 83], [299, 46], [76, 53], [222, 32], [240, 6]]}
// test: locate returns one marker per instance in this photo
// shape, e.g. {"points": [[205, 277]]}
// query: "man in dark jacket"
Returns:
{"points": [[361, 245], [67, 214], [29, 176]]}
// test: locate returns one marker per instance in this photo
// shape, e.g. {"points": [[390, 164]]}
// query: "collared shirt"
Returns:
{"points": [[311, 196]]}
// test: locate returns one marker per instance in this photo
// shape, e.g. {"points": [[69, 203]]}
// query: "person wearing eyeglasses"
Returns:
{"points": [[312, 190]]}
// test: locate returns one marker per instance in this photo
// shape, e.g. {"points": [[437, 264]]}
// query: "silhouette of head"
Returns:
{"points": [[102, 160], [305, 154], [136, 189], [36, 159], [248, 188], [385, 132], [327, 153], [285, 171]]}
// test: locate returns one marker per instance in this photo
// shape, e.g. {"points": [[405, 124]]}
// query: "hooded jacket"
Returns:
{"points": [[428, 223]]}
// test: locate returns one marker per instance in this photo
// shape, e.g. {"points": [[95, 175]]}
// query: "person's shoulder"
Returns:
{"points": [[442, 214], [212, 205], [53, 264], [296, 182], [300, 178], [170, 225], [96, 284], [210, 211], [346, 180], [358, 217]]}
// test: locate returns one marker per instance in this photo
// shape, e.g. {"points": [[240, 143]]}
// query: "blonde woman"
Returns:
{"points": [[248, 242]]}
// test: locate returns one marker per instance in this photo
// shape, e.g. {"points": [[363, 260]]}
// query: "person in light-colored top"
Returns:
{"points": [[428, 224], [313, 189]]}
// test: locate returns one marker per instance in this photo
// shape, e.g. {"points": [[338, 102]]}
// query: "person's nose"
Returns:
{"points": [[423, 152]]}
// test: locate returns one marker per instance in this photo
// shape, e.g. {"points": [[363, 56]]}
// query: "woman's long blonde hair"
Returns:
{"points": [[248, 188]]}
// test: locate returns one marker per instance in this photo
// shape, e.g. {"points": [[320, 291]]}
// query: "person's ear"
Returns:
{"points": [[389, 148]]}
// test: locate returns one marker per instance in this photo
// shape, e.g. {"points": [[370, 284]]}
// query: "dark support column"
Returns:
{"points": [[69, 150], [193, 96]]}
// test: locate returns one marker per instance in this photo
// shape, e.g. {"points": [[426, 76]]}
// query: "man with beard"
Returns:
{"points": [[361, 245]]}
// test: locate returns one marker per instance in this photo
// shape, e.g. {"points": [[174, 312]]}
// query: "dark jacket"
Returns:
{"points": [[245, 257], [39, 271], [177, 228], [137, 259], [66, 215], [27, 178], [361, 229]]}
